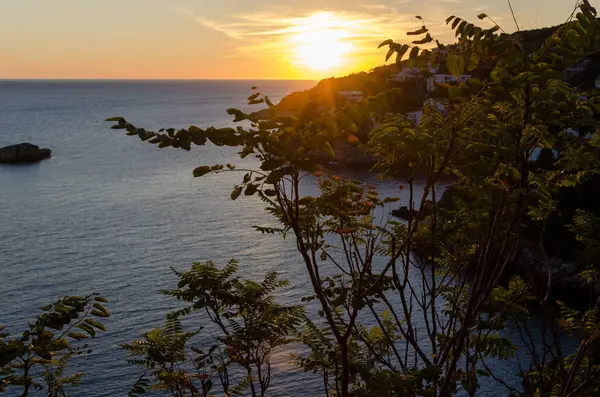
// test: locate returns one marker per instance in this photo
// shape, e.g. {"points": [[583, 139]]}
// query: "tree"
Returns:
{"points": [[447, 269], [250, 323]]}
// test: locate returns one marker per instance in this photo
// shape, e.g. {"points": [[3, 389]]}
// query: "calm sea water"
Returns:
{"points": [[110, 214]]}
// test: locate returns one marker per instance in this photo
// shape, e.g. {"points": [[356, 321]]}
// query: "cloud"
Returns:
{"points": [[257, 26], [214, 25], [278, 32]]}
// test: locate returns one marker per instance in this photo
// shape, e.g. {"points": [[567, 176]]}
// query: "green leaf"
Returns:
{"points": [[455, 64], [207, 386], [116, 119], [389, 53], [456, 22], [460, 28], [271, 164], [401, 52], [275, 176], [77, 335], [429, 392], [329, 150], [99, 313], [472, 62], [250, 189], [425, 40], [87, 328], [413, 53], [236, 192], [95, 324], [431, 372], [423, 30], [200, 171], [254, 96], [384, 43], [268, 102]]}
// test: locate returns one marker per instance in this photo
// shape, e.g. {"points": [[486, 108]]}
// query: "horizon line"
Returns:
{"points": [[146, 79]]}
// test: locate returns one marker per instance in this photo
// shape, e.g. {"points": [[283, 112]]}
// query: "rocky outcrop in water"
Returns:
{"points": [[23, 153], [405, 213]]}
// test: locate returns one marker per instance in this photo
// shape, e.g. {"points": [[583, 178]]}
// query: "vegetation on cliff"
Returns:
{"points": [[326, 93]]}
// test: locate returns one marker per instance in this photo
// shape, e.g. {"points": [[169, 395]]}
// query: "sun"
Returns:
{"points": [[320, 42]]}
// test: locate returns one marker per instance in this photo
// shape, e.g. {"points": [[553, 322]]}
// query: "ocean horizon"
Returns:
{"points": [[149, 80]]}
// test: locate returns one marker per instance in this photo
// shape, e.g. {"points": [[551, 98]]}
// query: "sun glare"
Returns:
{"points": [[321, 41]]}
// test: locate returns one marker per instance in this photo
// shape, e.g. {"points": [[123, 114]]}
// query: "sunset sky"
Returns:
{"points": [[232, 39]]}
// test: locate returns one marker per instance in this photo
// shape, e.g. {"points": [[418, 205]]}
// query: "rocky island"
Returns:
{"points": [[23, 153]]}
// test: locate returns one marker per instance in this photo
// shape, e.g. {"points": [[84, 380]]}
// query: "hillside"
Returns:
{"points": [[326, 93]]}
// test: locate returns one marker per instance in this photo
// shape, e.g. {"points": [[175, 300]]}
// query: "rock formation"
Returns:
{"points": [[23, 153]]}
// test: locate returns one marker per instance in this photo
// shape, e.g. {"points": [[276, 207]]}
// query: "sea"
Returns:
{"points": [[112, 215]]}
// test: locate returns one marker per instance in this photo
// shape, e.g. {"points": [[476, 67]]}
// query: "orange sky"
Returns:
{"points": [[234, 39]]}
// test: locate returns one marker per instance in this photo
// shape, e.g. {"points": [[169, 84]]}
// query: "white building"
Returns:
{"points": [[406, 74], [445, 79], [431, 84], [352, 95], [415, 117], [439, 78], [411, 73]]}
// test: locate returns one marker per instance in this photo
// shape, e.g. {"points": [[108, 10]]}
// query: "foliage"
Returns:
{"points": [[250, 325], [38, 358], [418, 308]]}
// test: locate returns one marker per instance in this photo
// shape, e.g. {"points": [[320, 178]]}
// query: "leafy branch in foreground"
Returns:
{"points": [[38, 358], [249, 325], [418, 308]]}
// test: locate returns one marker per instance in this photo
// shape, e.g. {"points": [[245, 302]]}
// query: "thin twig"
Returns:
{"points": [[513, 15]]}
